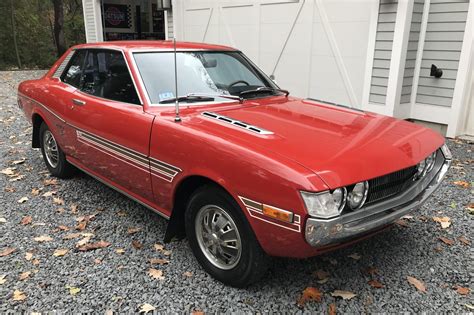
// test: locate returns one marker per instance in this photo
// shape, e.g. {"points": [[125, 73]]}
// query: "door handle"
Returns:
{"points": [[75, 101]]}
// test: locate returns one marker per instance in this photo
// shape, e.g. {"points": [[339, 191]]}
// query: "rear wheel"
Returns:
{"points": [[53, 156], [222, 240]]}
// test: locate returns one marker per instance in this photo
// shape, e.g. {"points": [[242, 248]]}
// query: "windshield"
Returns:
{"points": [[200, 72]]}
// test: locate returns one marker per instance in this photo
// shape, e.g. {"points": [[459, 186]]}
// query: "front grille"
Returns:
{"points": [[390, 185]]}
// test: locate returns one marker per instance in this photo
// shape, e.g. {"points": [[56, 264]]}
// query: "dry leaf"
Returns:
{"points": [[23, 200], [137, 244], [71, 236], [18, 295], [354, 256], [10, 189], [372, 271], [49, 193], [375, 284], [469, 306], [346, 295], [3, 220], [25, 275], [92, 246], [35, 262], [74, 208], [120, 251], [158, 247], [7, 251], [188, 274], [81, 226], [58, 201], [159, 261], [309, 294], [416, 283], [73, 290], [131, 231], [122, 213], [444, 221], [35, 191], [50, 181], [464, 240], [197, 312], [9, 171], [60, 252], [447, 241], [28, 256], [97, 261], [26, 220], [462, 291], [43, 238], [63, 228], [462, 184], [321, 274], [332, 309], [166, 252], [156, 274], [3, 279], [83, 242], [18, 162], [402, 222], [145, 308]]}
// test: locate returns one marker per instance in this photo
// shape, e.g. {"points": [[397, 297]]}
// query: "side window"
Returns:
{"points": [[106, 75], [73, 73]]}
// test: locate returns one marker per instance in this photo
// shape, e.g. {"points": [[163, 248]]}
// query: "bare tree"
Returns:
{"points": [[59, 27], [14, 34]]}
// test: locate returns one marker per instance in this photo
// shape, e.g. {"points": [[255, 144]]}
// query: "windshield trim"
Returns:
{"points": [[262, 75]]}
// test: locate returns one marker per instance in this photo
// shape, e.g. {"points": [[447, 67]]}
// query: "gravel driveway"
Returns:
{"points": [[117, 277]]}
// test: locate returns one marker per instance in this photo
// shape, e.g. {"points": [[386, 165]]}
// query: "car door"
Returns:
{"points": [[107, 124]]}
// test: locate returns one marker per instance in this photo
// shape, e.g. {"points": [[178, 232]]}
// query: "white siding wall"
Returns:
{"points": [[315, 48], [92, 20]]}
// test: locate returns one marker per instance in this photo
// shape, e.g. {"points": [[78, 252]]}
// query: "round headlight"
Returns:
{"points": [[420, 168], [430, 161], [358, 195], [339, 197]]}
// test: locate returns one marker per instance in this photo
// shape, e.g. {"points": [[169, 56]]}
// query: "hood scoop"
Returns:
{"points": [[236, 123]]}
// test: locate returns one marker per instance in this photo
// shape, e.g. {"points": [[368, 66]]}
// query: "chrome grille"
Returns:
{"points": [[390, 185]]}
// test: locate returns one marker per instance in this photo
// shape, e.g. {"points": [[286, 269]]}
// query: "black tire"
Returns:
{"points": [[60, 169], [253, 262]]}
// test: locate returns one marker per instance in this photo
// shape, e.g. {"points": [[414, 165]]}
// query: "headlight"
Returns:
{"points": [[420, 168], [325, 205], [430, 161], [358, 195]]}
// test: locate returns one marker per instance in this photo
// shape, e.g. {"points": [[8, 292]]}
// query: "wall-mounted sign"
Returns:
{"points": [[117, 15]]}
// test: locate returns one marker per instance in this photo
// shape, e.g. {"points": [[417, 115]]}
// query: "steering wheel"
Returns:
{"points": [[237, 82]]}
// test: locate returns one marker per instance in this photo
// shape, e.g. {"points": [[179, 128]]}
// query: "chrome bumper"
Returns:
{"points": [[320, 232]]}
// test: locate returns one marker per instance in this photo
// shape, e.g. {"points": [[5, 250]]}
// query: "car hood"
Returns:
{"points": [[341, 145]]}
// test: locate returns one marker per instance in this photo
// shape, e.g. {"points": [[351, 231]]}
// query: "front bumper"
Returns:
{"points": [[320, 232]]}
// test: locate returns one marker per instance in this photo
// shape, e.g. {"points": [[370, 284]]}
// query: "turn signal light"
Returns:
{"points": [[278, 214]]}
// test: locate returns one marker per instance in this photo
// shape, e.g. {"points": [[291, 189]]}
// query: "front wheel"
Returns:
{"points": [[222, 240], [53, 156]]}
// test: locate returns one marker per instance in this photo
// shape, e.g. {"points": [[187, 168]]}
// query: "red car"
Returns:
{"points": [[243, 170]]}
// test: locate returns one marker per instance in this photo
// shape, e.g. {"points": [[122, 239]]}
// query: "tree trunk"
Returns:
{"points": [[59, 27], [14, 35]]}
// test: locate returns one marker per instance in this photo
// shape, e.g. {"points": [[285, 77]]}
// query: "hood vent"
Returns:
{"points": [[237, 123]]}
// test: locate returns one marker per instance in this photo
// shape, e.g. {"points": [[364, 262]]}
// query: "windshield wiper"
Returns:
{"points": [[264, 89], [199, 97]]}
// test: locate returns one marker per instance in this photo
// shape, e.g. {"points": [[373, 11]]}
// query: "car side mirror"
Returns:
{"points": [[436, 72]]}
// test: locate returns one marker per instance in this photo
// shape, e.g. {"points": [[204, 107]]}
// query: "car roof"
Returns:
{"points": [[137, 45]]}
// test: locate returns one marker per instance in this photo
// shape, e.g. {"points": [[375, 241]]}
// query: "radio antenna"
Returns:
{"points": [[176, 103]]}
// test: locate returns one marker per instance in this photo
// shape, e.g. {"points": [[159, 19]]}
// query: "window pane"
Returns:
{"points": [[106, 75], [73, 74]]}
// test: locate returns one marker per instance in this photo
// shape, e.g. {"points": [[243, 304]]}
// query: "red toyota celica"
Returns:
{"points": [[238, 166]]}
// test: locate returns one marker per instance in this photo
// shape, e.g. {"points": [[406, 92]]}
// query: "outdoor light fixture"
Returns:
{"points": [[436, 72]]}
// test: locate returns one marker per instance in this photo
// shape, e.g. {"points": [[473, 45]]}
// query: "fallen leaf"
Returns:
{"points": [[35, 191], [74, 208], [188, 274], [9, 171], [462, 290], [35, 262], [120, 251], [71, 236], [3, 220], [7, 251], [354, 256], [469, 306], [309, 294], [50, 181], [445, 222], [159, 261], [166, 252], [372, 271], [375, 284], [462, 184], [73, 290], [137, 244], [63, 228], [122, 213], [92, 246], [60, 252], [447, 241], [132, 231], [43, 238], [18, 295], [28, 256], [158, 247], [20, 161], [196, 312], [145, 308], [26, 220], [3, 279], [407, 217], [402, 223], [156, 274], [321, 274], [464, 240], [58, 201], [345, 295], [83, 241], [332, 309], [22, 200], [97, 261], [81, 226], [25, 275], [49, 193], [39, 224], [420, 286]]}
